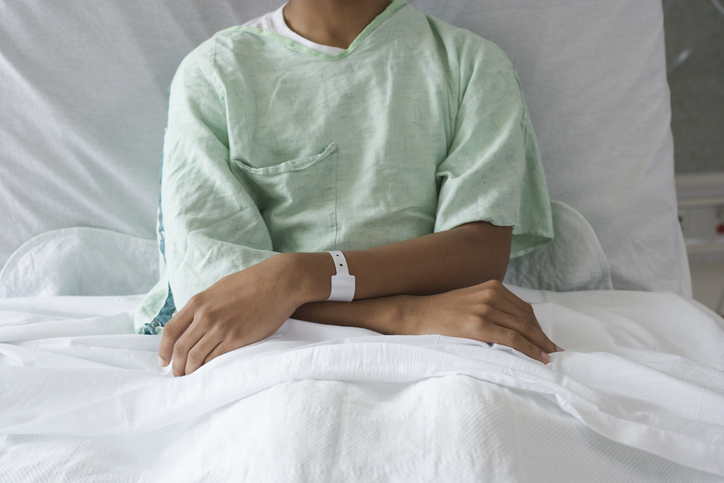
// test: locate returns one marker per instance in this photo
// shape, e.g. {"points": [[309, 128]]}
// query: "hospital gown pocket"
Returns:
{"points": [[298, 164], [295, 196]]}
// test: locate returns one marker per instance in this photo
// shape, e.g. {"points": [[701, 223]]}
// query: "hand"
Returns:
{"points": [[487, 312], [236, 311]]}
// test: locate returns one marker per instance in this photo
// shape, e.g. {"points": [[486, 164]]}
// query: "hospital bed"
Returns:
{"points": [[638, 395]]}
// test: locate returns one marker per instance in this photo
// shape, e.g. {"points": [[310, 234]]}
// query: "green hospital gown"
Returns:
{"points": [[418, 127]]}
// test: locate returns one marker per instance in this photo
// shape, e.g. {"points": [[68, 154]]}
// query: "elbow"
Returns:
{"points": [[491, 247]]}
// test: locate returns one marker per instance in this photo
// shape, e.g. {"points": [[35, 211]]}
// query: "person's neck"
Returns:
{"points": [[335, 23]]}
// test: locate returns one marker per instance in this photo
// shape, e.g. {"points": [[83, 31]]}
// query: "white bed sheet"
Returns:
{"points": [[641, 370]]}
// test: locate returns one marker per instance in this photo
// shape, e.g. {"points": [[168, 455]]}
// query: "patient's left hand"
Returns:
{"points": [[236, 311]]}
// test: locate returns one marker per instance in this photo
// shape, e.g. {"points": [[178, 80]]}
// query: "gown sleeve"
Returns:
{"points": [[212, 226], [493, 170]]}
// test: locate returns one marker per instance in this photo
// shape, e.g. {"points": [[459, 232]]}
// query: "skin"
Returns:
{"points": [[446, 283], [332, 22]]}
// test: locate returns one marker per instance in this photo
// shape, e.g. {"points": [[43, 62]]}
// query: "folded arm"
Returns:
{"points": [[449, 284], [444, 283]]}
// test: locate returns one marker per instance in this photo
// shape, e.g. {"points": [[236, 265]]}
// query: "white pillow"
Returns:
{"points": [[574, 260], [81, 261]]}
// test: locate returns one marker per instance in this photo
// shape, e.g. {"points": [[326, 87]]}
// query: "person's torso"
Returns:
{"points": [[341, 151]]}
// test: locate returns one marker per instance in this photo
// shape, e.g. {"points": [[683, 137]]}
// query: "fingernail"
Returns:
{"points": [[545, 357], [162, 363], [558, 349]]}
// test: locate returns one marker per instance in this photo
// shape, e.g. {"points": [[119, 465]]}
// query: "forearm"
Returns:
{"points": [[386, 315], [436, 263], [487, 312]]}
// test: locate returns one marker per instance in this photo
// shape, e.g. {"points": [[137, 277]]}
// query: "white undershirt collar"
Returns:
{"points": [[274, 22]]}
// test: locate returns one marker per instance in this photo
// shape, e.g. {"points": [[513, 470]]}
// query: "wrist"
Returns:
{"points": [[307, 276], [409, 311]]}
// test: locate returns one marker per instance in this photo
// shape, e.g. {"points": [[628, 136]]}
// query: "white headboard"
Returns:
{"points": [[83, 93]]}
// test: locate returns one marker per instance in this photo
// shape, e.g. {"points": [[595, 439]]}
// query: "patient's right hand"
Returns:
{"points": [[238, 310], [487, 312]]}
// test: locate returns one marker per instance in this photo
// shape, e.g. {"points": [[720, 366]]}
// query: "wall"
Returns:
{"points": [[695, 58], [696, 80]]}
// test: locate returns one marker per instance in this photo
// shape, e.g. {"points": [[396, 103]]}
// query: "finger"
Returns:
{"points": [[221, 349], [198, 355], [526, 309], [498, 296], [173, 329], [518, 308], [513, 339], [494, 295], [188, 340], [522, 326]]}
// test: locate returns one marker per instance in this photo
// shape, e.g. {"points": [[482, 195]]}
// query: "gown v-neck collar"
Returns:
{"points": [[371, 27]]}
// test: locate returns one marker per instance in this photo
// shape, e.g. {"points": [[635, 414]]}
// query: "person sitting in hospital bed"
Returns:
{"points": [[345, 162]]}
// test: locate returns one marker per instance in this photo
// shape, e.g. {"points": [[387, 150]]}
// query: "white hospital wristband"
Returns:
{"points": [[343, 282]]}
